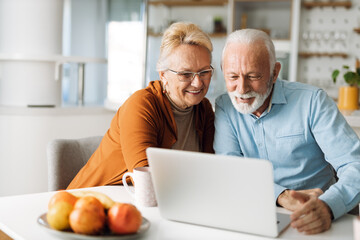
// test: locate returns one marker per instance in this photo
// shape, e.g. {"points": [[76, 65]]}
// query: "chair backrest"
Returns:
{"points": [[66, 157]]}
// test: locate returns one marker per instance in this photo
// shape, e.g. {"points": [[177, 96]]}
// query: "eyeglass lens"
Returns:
{"points": [[189, 76]]}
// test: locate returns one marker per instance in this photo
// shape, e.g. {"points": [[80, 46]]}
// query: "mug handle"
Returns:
{"points": [[131, 192]]}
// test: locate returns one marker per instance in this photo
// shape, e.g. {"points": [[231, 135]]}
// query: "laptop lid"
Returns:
{"points": [[219, 191]]}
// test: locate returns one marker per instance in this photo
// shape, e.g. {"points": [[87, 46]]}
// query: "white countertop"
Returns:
{"points": [[41, 111], [19, 214], [353, 118]]}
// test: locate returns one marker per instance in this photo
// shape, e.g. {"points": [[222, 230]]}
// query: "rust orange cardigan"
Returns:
{"points": [[144, 120]]}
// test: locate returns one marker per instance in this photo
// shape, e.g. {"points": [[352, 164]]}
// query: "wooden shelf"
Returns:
{"points": [[190, 3], [357, 30], [217, 34], [322, 54], [262, 0], [346, 4], [213, 35], [154, 34]]}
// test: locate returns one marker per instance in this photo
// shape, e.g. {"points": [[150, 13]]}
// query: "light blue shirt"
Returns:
{"points": [[304, 136]]}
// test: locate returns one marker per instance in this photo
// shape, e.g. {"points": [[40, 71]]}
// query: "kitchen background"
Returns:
{"points": [[67, 65]]}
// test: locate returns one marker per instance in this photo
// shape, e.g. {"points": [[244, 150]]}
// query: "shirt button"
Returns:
{"points": [[260, 144]]}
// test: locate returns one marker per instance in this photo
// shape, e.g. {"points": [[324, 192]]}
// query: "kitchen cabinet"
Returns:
{"points": [[203, 13], [261, 15], [54, 45], [326, 35], [189, 3], [312, 4], [279, 19], [328, 39]]}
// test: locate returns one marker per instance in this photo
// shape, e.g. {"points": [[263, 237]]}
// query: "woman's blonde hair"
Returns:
{"points": [[181, 33]]}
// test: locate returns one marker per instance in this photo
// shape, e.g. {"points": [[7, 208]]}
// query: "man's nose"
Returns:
{"points": [[242, 86]]}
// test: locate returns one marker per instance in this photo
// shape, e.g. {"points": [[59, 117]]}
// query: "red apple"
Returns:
{"points": [[124, 218]]}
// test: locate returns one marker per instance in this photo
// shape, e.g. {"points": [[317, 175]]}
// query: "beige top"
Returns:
{"points": [[185, 123]]}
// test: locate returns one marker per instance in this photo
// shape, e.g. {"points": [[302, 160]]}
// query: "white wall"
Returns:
{"points": [[24, 135]]}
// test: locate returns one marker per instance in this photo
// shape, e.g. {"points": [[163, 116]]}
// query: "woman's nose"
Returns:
{"points": [[197, 82]]}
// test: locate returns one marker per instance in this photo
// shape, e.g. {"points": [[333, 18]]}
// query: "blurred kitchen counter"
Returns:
{"points": [[25, 133], [38, 111], [352, 117]]}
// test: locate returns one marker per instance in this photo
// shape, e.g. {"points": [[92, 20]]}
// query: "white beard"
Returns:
{"points": [[259, 100]]}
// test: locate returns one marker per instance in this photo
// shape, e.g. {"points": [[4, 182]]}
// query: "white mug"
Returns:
{"points": [[357, 227], [143, 193]]}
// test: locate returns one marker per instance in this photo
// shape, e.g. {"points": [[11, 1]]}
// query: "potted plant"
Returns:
{"points": [[349, 95]]}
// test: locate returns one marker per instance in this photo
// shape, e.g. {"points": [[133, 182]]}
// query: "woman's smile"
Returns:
{"points": [[194, 92]]}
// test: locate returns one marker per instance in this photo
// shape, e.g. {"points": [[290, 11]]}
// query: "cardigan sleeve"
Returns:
{"points": [[139, 127], [209, 129]]}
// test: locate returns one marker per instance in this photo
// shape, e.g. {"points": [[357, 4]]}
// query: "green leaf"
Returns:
{"points": [[350, 78], [346, 67], [335, 74]]}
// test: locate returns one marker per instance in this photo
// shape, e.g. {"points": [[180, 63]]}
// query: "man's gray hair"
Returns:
{"points": [[249, 36]]}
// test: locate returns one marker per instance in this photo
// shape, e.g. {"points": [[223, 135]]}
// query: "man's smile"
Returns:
{"points": [[244, 100]]}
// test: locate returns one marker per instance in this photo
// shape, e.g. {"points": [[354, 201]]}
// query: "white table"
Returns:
{"points": [[18, 215]]}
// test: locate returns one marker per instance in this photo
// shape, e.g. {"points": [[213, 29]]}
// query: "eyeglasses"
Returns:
{"points": [[186, 76]]}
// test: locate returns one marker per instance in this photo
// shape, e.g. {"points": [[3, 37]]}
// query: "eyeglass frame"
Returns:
{"points": [[193, 73]]}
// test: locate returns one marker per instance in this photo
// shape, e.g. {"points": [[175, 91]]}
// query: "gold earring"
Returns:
{"points": [[164, 87]]}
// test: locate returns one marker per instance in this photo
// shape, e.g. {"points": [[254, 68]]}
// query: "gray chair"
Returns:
{"points": [[66, 157]]}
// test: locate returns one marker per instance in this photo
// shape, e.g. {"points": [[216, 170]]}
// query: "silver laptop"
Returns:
{"points": [[219, 191]]}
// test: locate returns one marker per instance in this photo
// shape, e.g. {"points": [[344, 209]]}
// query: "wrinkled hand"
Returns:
{"points": [[314, 216], [286, 200]]}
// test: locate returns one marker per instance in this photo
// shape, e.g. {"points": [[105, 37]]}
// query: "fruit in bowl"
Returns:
{"points": [[62, 196], [91, 213], [60, 206], [88, 216], [58, 215], [124, 218]]}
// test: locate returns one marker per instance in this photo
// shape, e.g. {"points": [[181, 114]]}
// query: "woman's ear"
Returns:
{"points": [[162, 77], [163, 80]]}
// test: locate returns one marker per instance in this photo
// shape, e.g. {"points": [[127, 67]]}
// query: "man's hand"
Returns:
{"points": [[286, 200], [313, 216]]}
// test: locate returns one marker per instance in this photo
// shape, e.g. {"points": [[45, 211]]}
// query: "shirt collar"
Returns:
{"points": [[278, 95], [270, 103]]}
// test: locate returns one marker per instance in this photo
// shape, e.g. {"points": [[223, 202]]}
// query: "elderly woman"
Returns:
{"points": [[171, 113]]}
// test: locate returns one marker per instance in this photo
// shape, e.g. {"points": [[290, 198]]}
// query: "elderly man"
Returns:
{"points": [[295, 126]]}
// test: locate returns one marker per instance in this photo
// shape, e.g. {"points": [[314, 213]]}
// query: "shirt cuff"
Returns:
{"points": [[336, 204], [278, 190]]}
